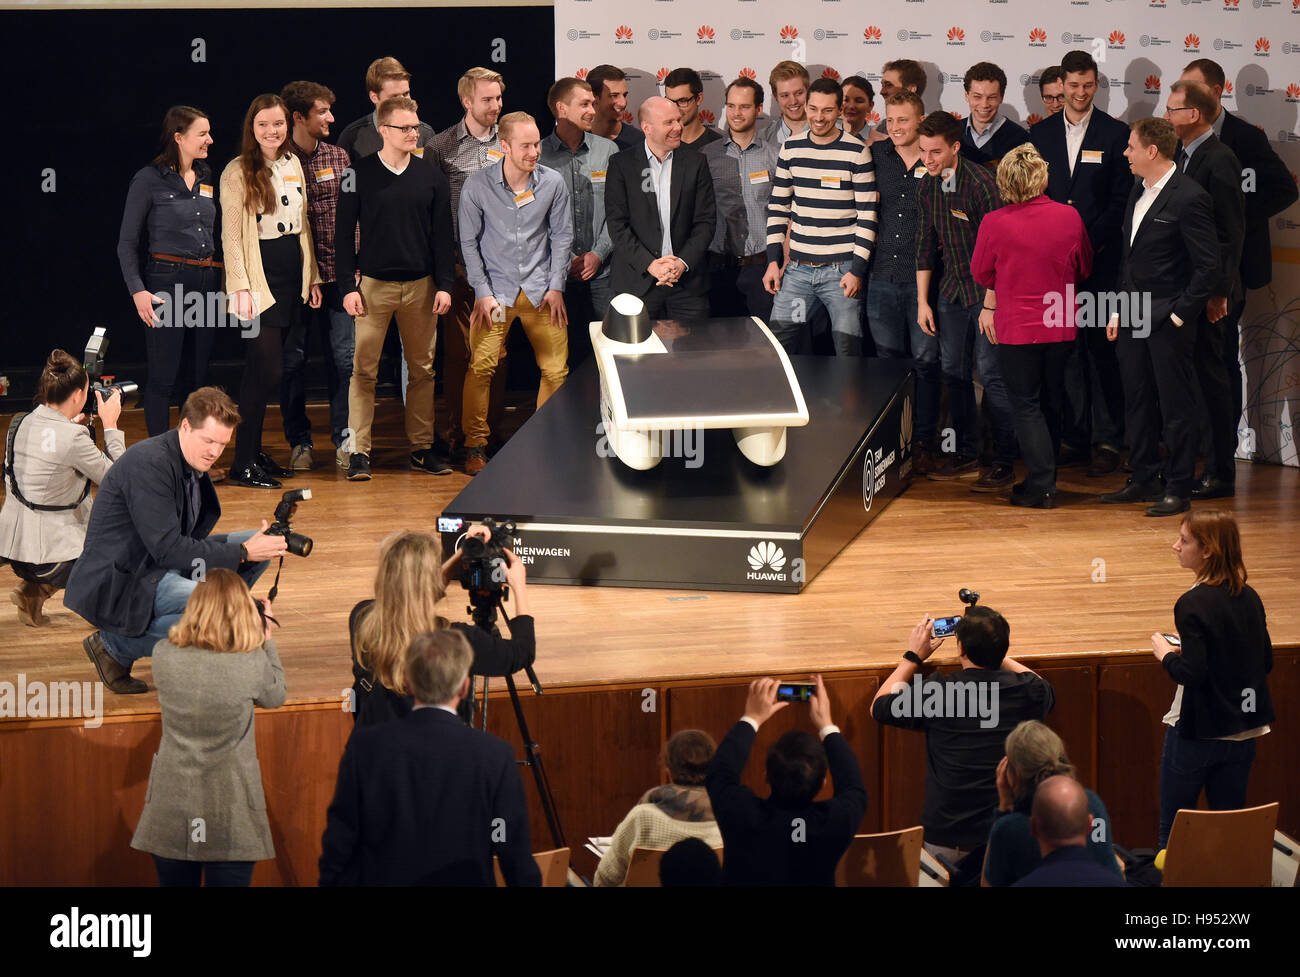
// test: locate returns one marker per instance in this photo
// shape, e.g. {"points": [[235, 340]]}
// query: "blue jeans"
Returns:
{"points": [[891, 315], [805, 288], [335, 328], [179, 872], [1222, 767], [168, 604], [961, 347]]}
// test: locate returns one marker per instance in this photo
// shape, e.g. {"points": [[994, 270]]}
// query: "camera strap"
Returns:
{"points": [[275, 587], [12, 478]]}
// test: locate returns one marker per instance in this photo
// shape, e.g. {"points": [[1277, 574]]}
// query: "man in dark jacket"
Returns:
{"points": [[786, 838], [147, 544], [428, 800], [1061, 824]]}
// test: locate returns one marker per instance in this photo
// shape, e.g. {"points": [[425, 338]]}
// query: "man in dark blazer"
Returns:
{"points": [[1061, 824], [1215, 167], [650, 186], [786, 838], [1084, 149], [428, 800], [1169, 260], [1269, 191], [147, 545]]}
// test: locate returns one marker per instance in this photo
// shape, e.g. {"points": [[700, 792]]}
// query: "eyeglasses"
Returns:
{"points": [[1053, 99], [1178, 108], [682, 103], [404, 130]]}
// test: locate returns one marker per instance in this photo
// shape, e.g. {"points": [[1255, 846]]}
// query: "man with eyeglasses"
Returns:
{"points": [[406, 263], [685, 89], [1204, 158], [1051, 89]]}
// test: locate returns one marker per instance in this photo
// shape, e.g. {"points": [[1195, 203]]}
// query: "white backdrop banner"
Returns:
{"points": [[1140, 45]]}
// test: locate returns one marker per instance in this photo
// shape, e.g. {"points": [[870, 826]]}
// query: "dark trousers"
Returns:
{"points": [[1222, 767], [964, 350], [50, 574], [177, 872], [1035, 377], [673, 303], [1213, 342], [335, 334], [264, 345], [1094, 393], [737, 290], [177, 352], [1160, 380], [586, 302]]}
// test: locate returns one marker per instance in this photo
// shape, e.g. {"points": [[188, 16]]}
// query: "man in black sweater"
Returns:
{"points": [[989, 134], [407, 267], [787, 838]]}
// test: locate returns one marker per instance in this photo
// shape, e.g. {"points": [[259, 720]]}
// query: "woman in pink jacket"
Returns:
{"points": [[1030, 254]]}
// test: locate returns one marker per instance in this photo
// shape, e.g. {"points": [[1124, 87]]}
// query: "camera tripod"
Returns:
{"points": [[484, 609]]}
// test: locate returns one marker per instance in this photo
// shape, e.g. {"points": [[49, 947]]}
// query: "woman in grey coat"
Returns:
{"points": [[51, 459], [204, 818]]}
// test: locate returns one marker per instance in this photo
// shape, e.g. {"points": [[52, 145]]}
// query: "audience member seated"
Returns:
{"points": [[51, 459], [428, 800], [966, 716], [412, 578], [1061, 823], [690, 862], [786, 838], [665, 815], [1034, 753], [204, 818]]}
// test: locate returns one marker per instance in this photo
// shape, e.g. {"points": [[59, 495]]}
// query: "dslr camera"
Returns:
{"points": [[298, 544], [93, 362]]}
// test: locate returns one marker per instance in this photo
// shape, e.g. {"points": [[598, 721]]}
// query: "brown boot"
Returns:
{"points": [[28, 598], [116, 677]]}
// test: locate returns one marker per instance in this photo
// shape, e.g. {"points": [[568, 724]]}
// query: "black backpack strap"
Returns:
{"points": [[12, 479]]}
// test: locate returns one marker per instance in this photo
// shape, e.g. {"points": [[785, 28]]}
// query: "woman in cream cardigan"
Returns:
{"points": [[270, 270], [204, 814]]}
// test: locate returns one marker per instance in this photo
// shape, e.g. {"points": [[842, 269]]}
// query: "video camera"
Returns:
{"points": [[482, 563], [297, 543], [93, 362]]}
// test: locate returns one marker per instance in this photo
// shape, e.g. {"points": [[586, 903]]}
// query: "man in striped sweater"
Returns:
{"points": [[825, 196]]}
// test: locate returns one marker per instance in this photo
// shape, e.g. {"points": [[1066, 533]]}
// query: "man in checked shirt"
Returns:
{"points": [[461, 150], [955, 196]]}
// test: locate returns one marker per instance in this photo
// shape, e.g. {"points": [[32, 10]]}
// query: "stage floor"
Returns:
{"points": [[1081, 578]]}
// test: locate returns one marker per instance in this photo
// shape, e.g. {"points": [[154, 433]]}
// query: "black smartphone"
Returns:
{"points": [[1173, 639], [795, 691], [946, 627]]}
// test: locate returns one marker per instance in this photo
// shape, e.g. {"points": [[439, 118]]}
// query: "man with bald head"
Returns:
{"points": [[1060, 822], [660, 210]]}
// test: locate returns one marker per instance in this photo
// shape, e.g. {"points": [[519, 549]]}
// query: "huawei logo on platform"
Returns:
{"points": [[956, 35], [766, 555], [707, 117], [1191, 43], [789, 33], [748, 73], [660, 75], [1261, 46], [624, 33], [1034, 117], [1116, 39], [1037, 37], [705, 33], [832, 74], [872, 33]]}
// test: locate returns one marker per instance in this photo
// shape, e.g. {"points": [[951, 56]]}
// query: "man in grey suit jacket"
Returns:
{"points": [[147, 545], [51, 460], [428, 800]]}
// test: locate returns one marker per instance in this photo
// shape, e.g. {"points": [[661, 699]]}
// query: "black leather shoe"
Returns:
{"points": [[1213, 488], [269, 467], [1133, 492], [1069, 456], [1034, 500], [1104, 461], [253, 477], [117, 677], [995, 479], [1170, 505]]}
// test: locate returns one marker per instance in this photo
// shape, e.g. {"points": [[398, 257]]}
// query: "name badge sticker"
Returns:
{"points": [[291, 178], [757, 177], [494, 153], [524, 199], [830, 183], [418, 152], [325, 175], [919, 172], [1090, 156], [598, 176], [205, 190], [960, 215]]}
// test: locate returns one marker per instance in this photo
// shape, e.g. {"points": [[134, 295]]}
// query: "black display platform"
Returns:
{"points": [[723, 524]]}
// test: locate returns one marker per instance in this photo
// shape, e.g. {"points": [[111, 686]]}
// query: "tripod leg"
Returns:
{"points": [[533, 758]]}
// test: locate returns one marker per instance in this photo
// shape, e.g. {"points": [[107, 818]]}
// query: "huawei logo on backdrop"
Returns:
{"points": [[748, 73], [872, 33], [1037, 37], [1191, 43], [705, 33], [956, 35], [957, 115], [1116, 39], [580, 73], [707, 117], [624, 33], [873, 118], [832, 74], [1261, 46], [660, 75], [789, 33], [1034, 117], [1292, 92], [1230, 4], [1227, 88], [627, 118], [1153, 84]]}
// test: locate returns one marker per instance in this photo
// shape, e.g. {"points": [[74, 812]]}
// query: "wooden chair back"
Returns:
{"points": [[1221, 847]]}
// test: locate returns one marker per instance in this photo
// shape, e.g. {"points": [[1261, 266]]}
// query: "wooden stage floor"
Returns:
{"points": [[1081, 578]]}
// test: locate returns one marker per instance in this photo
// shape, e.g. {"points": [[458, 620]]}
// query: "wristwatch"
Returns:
{"points": [[913, 657]]}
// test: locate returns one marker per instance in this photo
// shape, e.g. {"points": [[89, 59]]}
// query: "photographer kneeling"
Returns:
{"points": [[147, 545], [51, 460], [411, 580]]}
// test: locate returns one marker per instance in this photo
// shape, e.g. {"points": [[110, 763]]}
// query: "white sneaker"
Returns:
{"points": [[341, 455]]}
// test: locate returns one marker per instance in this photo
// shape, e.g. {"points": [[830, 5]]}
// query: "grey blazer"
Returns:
{"points": [[205, 800], [52, 459]]}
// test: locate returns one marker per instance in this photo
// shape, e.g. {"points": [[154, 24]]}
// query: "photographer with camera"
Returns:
{"points": [[148, 544], [412, 578], [51, 459]]}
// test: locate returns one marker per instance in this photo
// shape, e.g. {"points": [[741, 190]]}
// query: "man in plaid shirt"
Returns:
{"points": [[955, 196], [324, 167]]}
